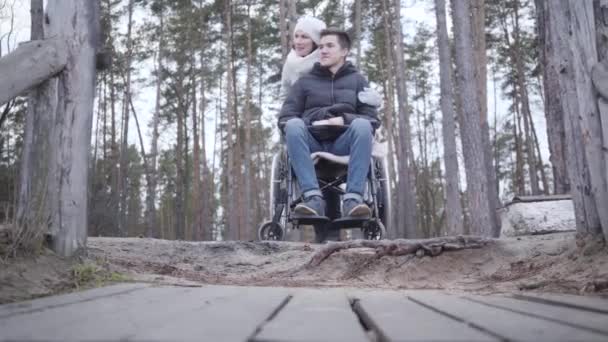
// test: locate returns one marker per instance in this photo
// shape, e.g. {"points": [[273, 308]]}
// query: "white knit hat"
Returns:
{"points": [[311, 26]]}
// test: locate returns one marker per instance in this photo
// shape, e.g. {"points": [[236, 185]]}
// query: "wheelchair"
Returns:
{"points": [[331, 171]]}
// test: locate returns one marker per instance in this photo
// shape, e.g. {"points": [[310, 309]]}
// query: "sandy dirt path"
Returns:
{"points": [[547, 263]]}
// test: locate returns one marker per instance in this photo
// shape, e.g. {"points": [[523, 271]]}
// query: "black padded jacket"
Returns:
{"points": [[322, 95]]}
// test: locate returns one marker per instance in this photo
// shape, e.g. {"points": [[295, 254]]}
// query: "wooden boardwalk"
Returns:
{"points": [[141, 312]]}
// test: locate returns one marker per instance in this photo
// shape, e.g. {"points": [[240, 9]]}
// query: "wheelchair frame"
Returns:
{"points": [[284, 196]]}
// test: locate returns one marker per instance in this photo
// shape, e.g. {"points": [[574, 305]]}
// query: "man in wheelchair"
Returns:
{"points": [[324, 113]]}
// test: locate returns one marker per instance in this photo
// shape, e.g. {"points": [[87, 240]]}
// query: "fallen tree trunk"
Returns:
{"points": [[29, 65], [431, 247]]}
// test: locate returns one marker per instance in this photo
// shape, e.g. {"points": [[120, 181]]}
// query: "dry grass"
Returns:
{"points": [[18, 240], [89, 274]]}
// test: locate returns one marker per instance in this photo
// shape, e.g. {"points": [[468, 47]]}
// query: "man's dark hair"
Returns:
{"points": [[343, 38]]}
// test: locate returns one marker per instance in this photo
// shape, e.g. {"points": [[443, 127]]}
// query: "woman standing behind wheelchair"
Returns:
{"points": [[299, 62], [301, 59], [304, 53]]}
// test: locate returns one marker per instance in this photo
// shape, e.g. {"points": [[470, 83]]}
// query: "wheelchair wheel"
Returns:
{"points": [[383, 193], [271, 231], [374, 230]]}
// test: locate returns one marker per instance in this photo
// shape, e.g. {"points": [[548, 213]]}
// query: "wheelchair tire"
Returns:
{"points": [[374, 230], [384, 193], [271, 231]]}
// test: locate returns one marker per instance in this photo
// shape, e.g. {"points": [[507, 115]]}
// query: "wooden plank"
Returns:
{"points": [[578, 318], [594, 304], [395, 318], [505, 324], [29, 65], [232, 318], [124, 312], [314, 315], [142, 315], [14, 309]]}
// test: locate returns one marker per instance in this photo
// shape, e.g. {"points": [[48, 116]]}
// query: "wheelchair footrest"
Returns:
{"points": [[349, 222], [309, 220]]}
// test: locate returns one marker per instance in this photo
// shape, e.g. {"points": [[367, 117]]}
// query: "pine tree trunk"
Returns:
{"points": [[481, 60], [283, 30], [232, 181], [407, 183], [554, 113], [248, 204], [104, 133], [519, 182], [572, 35], [292, 17], [358, 31], [207, 179], [115, 174], [601, 84], [152, 228], [395, 228], [453, 207], [37, 140], [125, 131], [522, 90], [197, 220], [477, 177], [180, 210]]}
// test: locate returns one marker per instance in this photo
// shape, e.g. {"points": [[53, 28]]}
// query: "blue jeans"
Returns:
{"points": [[356, 142]]}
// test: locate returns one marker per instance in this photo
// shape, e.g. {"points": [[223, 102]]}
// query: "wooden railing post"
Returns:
{"points": [[56, 201]]}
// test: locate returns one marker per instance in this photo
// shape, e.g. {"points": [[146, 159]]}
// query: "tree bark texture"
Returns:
{"points": [[395, 227], [358, 31], [554, 113], [387, 66], [479, 42], [407, 187], [232, 180], [197, 219], [572, 33], [29, 65], [152, 228], [283, 30], [453, 207], [292, 18], [247, 151], [36, 142], [124, 157], [480, 207], [77, 22]]}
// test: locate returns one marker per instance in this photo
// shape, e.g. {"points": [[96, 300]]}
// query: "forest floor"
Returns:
{"points": [[548, 263]]}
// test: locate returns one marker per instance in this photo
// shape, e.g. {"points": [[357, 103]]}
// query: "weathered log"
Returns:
{"points": [[31, 64], [431, 247], [77, 22]]}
